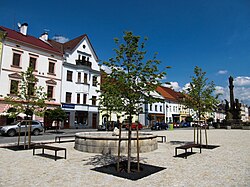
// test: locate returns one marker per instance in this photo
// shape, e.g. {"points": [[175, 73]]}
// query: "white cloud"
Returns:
{"points": [[186, 86], [219, 90], [222, 72], [106, 69], [174, 85], [60, 39], [241, 90], [242, 81]]}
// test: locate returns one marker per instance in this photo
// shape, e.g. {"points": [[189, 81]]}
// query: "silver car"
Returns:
{"points": [[13, 129]]}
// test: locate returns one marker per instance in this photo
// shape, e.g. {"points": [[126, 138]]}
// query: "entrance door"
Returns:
{"points": [[67, 121], [94, 121]]}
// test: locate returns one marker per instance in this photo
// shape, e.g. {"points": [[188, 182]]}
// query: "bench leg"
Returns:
{"points": [[33, 151], [175, 151], [185, 153], [43, 151], [55, 155], [65, 154]]}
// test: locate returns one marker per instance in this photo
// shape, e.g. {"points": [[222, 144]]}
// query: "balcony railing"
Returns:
{"points": [[83, 63]]}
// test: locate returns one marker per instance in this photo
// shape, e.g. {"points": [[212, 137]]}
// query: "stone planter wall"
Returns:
{"points": [[246, 127], [105, 143]]}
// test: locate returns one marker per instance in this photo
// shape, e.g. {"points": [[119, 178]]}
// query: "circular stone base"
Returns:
{"points": [[106, 143]]}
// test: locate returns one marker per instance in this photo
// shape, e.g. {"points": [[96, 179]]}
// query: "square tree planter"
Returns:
{"points": [[246, 127]]}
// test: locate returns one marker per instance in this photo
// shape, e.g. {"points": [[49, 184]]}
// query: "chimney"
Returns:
{"points": [[44, 36], [23, 28]]}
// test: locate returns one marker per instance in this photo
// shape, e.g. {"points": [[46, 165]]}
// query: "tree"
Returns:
{"points": [[108, 101], [27, 98], [132, 79], [58, 115], [200, 97]]}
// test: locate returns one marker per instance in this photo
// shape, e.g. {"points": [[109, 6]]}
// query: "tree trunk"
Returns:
{"points": [[25, 136], [29, 134], [197, 132], [19, 134], [138, 148], [129, 143], [206, 135], [194, 132], [200, 136], [119, 147]]}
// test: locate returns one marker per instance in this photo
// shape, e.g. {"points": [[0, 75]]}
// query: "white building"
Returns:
{"points": [[18, 52], [152, 112], [80, 82], [244, 113]]}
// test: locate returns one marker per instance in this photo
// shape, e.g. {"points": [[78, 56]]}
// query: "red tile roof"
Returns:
{"points": [[168, 93], [27, 39], [70, 45]]}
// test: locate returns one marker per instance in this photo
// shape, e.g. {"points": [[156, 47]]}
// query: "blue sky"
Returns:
{"points": [[211, 34]]}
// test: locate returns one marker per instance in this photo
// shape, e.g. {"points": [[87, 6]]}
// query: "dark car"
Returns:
{"points": [[185, 124], [133, 126], [159, 126]]}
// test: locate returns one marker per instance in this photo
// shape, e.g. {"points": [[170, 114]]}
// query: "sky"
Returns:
{"points": [[211, 34]]}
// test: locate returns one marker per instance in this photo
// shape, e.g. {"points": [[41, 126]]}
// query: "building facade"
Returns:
{"points": [[80, 82], [20, 51]]}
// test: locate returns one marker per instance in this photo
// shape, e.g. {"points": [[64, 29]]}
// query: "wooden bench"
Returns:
{"points": [[163, 138], [186, 147], [64, 136], [41, 146]]}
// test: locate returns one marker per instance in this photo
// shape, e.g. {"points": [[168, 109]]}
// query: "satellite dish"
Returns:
{"points": [[19, 25]]}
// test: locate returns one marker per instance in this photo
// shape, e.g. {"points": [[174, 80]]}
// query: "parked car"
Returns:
{"points": [[108, 125], [13, 129], [133, 126], [159, 126], [185, 124], [176, 125]]}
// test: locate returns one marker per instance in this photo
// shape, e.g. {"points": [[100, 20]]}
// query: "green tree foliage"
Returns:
{"points": [[132, 79], [28, 99], [200, 97], [58, 115], [200, 94]]}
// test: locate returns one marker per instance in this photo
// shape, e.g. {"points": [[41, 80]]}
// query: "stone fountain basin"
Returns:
{"points": [[107, 143]]}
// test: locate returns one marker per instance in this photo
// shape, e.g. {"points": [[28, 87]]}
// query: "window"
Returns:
{"points": [[50, 92], [16, 59], [79, 77], [150, 107], [68, 97], [155, 107], [69, 75], [52, 67], [160, 108], [84, 98], [94, 100], [78, 99], [32, 63], [13, 87], [94, 81], [85, 78], [31, 89]]}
